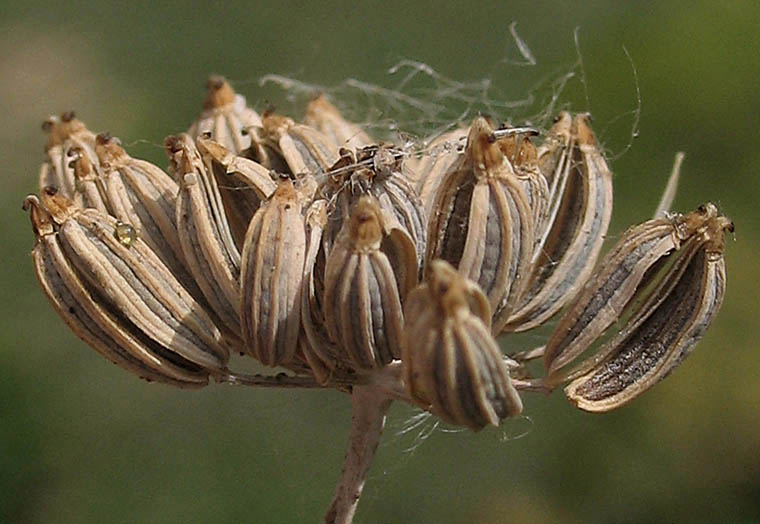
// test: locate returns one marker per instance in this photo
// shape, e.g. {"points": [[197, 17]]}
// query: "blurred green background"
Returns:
{"points": [[82, 441]]}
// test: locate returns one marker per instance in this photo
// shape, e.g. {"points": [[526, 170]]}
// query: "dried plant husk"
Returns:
{"points": [[243, 185], [481, 223], [375, 171], [652, 282], [452, 366], [369, 272], [204, 233], [664, 329], [271, 277], [88, 192], [325, 118], [284, 146], [226, 118], [580, 208], [428, 171], [68, 139], [118, 296]]}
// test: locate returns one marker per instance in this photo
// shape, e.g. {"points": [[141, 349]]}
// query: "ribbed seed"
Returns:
{"points": [[325, 118], [429, 171], [271, 277], [207, 243], [65, 135], [647, 261], [320, 352], [452, 365], [225, 118], [523, 156], [369, 272], [143, 195], [287, 147], [579, 215], [663, 329], [121, 298], [243, 185], [481, 223]]}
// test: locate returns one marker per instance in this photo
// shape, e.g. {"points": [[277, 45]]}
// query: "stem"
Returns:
{"points": [[283, 380], [368, 407]]}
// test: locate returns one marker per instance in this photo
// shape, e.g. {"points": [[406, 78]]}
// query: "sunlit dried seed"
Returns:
{"points": [[579, 215], [271, 277], [68, 139], [427, 171], [243, 185], [207, 244], [647, 261], [481, 223], [369, 272], [452, 364], [122, 295], [226, 118], [325, 118], [663, 329]]}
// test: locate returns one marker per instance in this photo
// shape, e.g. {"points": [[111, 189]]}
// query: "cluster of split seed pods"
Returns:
{"points": [[382, 271]]}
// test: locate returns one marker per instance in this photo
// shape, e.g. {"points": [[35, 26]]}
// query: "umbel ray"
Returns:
{"points": [[386, 273]]}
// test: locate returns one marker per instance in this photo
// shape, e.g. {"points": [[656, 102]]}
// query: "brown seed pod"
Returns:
{"points": [[117, 295], [481, 223], [369, 272], [429, 170], [225, 118], [580, 208], [204, 233], [663, 283], [271, 277], [452, 366]]}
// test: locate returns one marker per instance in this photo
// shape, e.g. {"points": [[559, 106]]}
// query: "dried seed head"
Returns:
{"points": [[452, 365], [225, 118]]}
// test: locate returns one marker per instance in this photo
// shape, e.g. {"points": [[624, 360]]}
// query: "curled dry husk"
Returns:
{"points": [[325, 118], [579, 212], [452, 366], [271, 277], [481, 223], [428, 170], [68, 139], [666, 279], [225, 118], [118, 296]]}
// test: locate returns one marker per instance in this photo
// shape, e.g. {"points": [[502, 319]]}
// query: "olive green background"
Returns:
{"points": [[82, 441]]}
